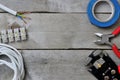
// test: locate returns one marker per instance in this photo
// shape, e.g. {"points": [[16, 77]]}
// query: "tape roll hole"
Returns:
{"points": [[98, 7]]}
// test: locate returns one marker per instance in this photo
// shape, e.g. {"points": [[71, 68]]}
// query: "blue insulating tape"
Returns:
{"points": [[108, 23]]}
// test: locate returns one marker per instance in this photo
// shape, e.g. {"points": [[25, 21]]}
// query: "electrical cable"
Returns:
{"points": [[16, 61], [15, 13]]}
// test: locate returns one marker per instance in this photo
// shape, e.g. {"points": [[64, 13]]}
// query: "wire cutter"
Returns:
{"points": [[106, 39]]}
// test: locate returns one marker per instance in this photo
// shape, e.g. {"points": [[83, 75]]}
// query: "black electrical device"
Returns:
{"points": [[100, 64]]}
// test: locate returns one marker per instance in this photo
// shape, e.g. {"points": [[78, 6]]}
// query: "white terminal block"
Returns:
{"points": [[16, 34], [10, 35], [23, 33], [4, 36]]}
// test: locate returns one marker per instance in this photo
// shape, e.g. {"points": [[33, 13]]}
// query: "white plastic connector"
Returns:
{"points": [[16, 34], [23, 33], [4, 36], [10, 35]]}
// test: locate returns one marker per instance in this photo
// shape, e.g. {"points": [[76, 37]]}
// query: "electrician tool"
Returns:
{"points": [[105, 39], [102, 66], [103, 23]]}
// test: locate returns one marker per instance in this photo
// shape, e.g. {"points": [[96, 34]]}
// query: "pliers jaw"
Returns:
{"points": [[105, 39]]}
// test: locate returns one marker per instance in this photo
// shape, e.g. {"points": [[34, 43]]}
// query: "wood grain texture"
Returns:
{"points": [[69, 29], [58, 31], [52, 5], [54, 65]]}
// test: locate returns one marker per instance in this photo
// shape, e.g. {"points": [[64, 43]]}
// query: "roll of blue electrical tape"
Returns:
{"points": [[111, 20]]}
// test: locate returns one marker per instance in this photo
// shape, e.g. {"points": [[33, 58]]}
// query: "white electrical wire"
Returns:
{"points": [[15, 13], [16, 61], [8, 10]]}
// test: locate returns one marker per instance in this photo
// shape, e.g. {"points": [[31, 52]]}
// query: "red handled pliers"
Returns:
{"points": [[105, 39]]}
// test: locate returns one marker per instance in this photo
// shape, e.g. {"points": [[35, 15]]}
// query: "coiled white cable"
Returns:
{"points": [[16, 61]]}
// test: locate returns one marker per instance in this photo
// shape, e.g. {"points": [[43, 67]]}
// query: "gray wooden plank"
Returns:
{"points": [[52, 5], [58, 31], [54, 65]]}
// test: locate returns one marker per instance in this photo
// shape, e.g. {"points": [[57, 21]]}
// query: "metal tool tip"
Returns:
{"points": [[98, 34]]}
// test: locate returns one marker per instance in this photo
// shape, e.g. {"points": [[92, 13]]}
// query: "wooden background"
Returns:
{"points": [[60, 38]]}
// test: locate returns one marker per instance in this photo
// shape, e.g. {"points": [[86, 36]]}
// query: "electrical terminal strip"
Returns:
{"points": [[13, 35], [4, 36]]}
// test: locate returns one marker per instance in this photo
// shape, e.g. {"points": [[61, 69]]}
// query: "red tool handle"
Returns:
{"points": [[119, 69], [116, 50], [116, 31]]}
